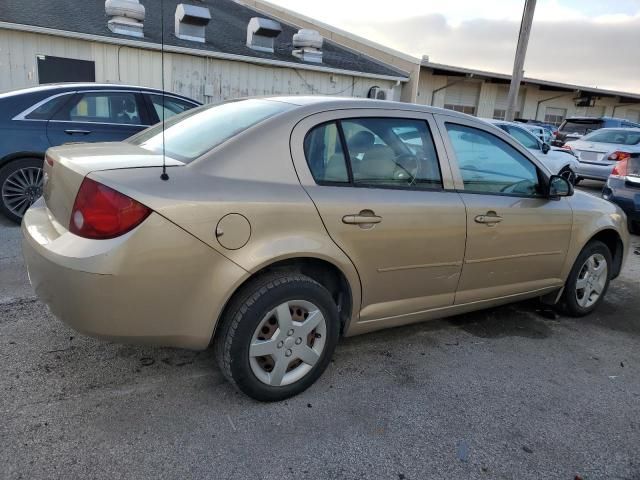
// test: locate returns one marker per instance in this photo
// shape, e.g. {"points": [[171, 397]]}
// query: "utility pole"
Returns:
{"points": [[521, 52]]}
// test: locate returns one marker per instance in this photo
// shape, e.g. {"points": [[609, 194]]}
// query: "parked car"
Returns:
{"points": [[287, 222], [559, 161], [598, 152], [574, 128], [542, 133], [34, 119], [623, 188]]}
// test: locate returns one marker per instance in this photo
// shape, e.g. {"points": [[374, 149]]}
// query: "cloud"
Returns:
{"points": [[598, 52]]}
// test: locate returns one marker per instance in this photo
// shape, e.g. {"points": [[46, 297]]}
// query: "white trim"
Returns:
{"points": [[193, 51], [22, 115]]}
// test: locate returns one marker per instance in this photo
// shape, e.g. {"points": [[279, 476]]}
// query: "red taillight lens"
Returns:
{"points": [[621, 168], [100, 212], [618, 156]]}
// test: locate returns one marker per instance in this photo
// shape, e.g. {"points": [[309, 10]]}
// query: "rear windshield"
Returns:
{"points": [[621, 137], [192, 134], [581, 126]]}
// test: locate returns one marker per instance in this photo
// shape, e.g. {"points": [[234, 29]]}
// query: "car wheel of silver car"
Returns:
{"points": [[277, 336], [21, 183], [588, 281], [569, 175]]}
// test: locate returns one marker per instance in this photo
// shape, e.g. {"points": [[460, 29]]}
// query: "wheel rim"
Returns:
{"points": [[287, 343], [591, 280], [569, 176], [21, 189]]}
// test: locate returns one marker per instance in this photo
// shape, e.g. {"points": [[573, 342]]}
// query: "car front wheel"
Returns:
{"points": [[588, 281], [569, 175], [21, 184], [277, 336]]}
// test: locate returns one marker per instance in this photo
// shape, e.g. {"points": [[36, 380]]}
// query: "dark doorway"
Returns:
{"points": [[58, 69]]}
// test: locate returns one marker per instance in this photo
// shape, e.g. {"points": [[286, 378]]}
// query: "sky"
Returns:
{"points": [[593, 43]]}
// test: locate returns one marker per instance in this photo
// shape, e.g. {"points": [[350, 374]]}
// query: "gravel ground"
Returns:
{"points": [[512, 392]]}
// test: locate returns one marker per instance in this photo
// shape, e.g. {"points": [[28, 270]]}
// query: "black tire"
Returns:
{"points": [[7, 171], [243, 316], [634, 227], [569, 175], [578, 180], [569, 302]]}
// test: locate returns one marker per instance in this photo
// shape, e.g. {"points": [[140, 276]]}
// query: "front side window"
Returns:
{"points": [[524, 137], [187, 136], [167, 107], [490, 165], [102, 107], [391, 152]]}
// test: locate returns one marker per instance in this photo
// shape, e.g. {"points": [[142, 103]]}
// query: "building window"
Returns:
{"points": [[461, 108], [500, 114], [58, 69], [555, 116]]}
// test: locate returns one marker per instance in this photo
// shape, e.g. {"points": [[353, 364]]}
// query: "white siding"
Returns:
{"points": [[185, 74]]}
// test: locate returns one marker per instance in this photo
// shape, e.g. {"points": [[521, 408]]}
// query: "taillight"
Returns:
{"points": [[100, 212], [49, 160], [618, 156], [621, 168]]}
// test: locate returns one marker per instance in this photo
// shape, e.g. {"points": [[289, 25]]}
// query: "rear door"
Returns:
{"points": [[99, 116], [517, 239], [378, 180]]}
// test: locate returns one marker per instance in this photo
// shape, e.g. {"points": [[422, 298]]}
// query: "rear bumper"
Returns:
{"points": [[155, 285], [593, 172]]}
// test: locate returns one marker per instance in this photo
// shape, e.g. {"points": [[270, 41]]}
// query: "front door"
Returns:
{"points": [[98, 116], [517, 239], [377, 183]]}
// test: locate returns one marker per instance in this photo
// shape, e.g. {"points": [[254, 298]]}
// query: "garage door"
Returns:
{"points": [[633, 115], [462, 96], [500, 107]]}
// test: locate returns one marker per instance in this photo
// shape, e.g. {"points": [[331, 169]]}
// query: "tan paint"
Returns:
{"points": [[425, 259]]}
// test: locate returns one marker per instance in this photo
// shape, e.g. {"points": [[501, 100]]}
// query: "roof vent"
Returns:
{"points": [[191, 21], [261, 34], [127, 17], [307, 45]]}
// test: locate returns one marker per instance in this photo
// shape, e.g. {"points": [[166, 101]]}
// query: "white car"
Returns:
{"points": [[559, 161], [542, 133], [599, 151]]}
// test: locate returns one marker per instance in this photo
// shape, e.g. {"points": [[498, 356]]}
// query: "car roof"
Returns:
{"points": [[70, 86]]}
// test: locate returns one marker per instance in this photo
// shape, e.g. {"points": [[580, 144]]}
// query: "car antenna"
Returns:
{"points": [[164, 176]]}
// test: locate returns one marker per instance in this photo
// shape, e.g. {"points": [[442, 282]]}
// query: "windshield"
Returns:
{"points": [[192, 134], [621, 137], [581, 126]]}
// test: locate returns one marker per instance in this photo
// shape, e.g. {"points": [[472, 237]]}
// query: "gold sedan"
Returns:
{"points": [[270, 227]]}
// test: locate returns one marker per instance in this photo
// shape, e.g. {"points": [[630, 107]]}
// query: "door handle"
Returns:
{"points": [[77, 132], [490, 218], [366, 218]]}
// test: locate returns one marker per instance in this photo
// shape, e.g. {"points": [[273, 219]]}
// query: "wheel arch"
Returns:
{"points": [[611, 238], [19, 156], [326, 273]]}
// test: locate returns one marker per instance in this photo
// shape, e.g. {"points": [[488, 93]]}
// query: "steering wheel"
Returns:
{"points": [[405, 169], [514, 188]]}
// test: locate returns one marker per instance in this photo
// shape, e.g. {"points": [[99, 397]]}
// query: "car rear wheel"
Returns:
{"points": [[21, 183], [588, 281], [277, 336], [569, 175]]}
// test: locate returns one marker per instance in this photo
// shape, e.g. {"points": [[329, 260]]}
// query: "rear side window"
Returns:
{"points": [[374, 152], [193, 133], [490, 165], [47, 109]]}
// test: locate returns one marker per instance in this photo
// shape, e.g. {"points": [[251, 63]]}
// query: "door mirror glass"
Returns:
{"points": [[545, 148], [559, 187]]}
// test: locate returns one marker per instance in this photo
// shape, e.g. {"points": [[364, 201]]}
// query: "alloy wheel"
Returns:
{"points": [[21, 189], [592, 280], [287, 343]]}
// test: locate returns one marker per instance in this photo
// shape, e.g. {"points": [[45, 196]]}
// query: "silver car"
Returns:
{"points": [[599, 151]]}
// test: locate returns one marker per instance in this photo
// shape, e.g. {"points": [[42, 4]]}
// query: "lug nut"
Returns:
{"points": [[290, 332], [288, 353], [298, 341], [280, 344]]}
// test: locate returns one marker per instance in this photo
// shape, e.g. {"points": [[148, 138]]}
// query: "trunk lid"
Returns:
{"points": [[66, 166]]}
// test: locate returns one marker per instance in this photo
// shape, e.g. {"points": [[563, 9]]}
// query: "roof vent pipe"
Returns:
{"points": [[191, 21], [127, 17], [261, 34], [307, 45]]}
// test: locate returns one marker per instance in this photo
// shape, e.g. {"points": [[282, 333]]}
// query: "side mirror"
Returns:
{"points": [[545, 147], [559, 187]]}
